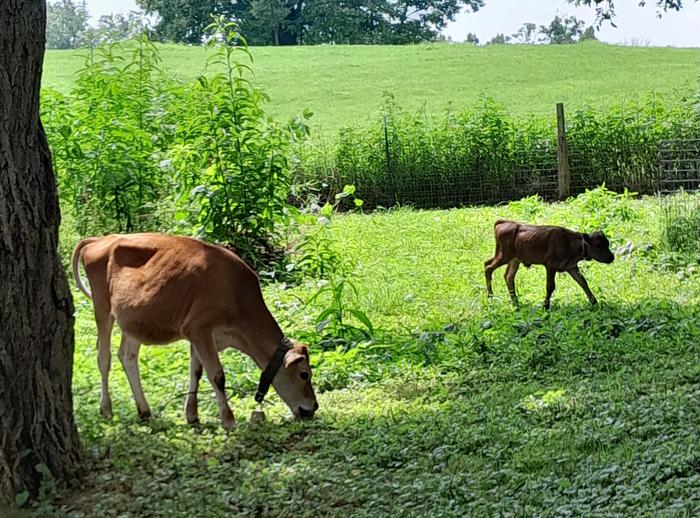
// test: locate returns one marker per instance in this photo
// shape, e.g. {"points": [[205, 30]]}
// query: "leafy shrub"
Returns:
{"points": [[680, 226], [134, 150], [481, 154], [233, 161], [526, 208], [109, 136], [599, 208], [340, 323]]}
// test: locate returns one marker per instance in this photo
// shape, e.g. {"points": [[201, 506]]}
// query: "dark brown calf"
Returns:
{"points": [[557, 248]]}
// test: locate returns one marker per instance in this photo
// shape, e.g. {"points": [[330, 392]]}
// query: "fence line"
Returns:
{"points": [[456, 163]]}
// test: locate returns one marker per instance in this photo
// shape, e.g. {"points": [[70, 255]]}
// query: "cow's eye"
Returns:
{"points": [[305, 376]]}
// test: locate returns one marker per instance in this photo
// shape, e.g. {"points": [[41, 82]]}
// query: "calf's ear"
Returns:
{"points": [[292, 358]]}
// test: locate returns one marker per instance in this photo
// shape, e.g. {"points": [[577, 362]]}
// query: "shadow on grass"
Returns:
{"points": [[450, 448], [581, 409]]}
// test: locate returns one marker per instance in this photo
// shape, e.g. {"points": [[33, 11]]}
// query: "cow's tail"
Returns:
{"points": [[75, 262]]}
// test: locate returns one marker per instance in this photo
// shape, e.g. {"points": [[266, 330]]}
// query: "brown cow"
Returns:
{"points": [[162, 288], [557, 248]]}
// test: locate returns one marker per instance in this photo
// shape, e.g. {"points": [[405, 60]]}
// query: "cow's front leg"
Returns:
{"points": [[578, 277], [203, 345], [191, 410], [551, 273]]}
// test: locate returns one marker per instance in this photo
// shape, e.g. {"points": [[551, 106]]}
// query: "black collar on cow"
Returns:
{"points": [[273, 365], [584, 248]]}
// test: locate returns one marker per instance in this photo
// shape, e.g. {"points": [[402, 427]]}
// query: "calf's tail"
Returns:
{"points": [[75, 262]]}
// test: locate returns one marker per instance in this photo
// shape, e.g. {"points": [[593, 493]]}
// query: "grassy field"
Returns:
{"points": [[345, 84], [461, 407]]}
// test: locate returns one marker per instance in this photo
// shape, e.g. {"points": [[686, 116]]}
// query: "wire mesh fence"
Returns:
{"points": [[485, 157], [679, 164]]}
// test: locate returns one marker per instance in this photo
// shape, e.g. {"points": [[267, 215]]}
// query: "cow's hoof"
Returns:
{"points": [[227, 420], [106, 410], [192, 420], [145, 415]]}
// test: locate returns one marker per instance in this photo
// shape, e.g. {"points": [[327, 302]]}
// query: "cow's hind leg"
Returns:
{"points": [[510, 279], [129, 356], [551, 274], [489, 266], [203, 344], [191, 410], [105, 322]]}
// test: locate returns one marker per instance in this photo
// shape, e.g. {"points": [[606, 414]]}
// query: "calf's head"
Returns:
{"points": [[598, 247], [293, 382]]}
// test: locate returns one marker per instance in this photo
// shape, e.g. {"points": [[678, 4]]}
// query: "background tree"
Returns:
{"points": [[291, 22], [472, 38], [184, 21], [588, 34], [563, 30], [270, 15], [499, 39], [112, 28], [38, 436], [526, 34], [605, 9], [421, 20], [66, 23]]}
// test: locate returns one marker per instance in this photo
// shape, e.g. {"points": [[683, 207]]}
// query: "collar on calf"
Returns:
{"points": [[273, 365], [584, 247]]}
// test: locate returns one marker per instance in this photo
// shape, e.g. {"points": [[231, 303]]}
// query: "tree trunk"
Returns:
{"points": [[36, 310]]}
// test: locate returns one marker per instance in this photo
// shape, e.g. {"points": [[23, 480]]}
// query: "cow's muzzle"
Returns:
{"points": [[307, 414]]}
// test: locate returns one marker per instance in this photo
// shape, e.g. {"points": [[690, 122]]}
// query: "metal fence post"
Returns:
{"points": [[564, 174]]}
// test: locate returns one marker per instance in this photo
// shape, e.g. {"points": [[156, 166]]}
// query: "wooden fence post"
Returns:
{"points": [[389, 172], [564, 174]]}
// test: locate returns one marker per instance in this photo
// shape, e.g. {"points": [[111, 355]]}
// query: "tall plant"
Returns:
{"points": [[233, 159], [107, 136]]}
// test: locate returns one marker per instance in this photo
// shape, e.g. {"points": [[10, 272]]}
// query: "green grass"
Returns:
{"points": [[464, 407], [344, 84]]}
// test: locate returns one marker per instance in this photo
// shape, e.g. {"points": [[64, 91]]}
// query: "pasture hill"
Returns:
{"points": [[345, 84]]}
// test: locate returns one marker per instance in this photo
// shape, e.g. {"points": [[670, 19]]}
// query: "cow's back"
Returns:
{"points": [[535, 244], [152, 281]]}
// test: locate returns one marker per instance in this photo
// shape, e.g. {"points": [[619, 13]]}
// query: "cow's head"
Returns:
{"points": [[598, 247], [293, 382]]}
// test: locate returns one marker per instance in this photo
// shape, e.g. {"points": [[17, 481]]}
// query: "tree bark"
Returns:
{"points": [[36, 308]]}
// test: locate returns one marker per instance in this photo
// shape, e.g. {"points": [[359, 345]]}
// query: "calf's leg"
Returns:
{"points": [[510, 279], [203, 344], [489, 266], [578, 277], [191, 410], [129, 356], [551, 273], [105, 322]]}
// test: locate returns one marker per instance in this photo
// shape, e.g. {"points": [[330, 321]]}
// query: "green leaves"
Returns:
{"points": [[239, 177], [21, 498], [108, 138], [134, 150]]}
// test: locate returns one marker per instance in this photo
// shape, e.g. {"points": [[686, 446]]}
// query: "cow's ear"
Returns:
{"points": [[292, 358]]}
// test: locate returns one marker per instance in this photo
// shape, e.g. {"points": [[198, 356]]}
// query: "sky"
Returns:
{"points": [[635, 25]]}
